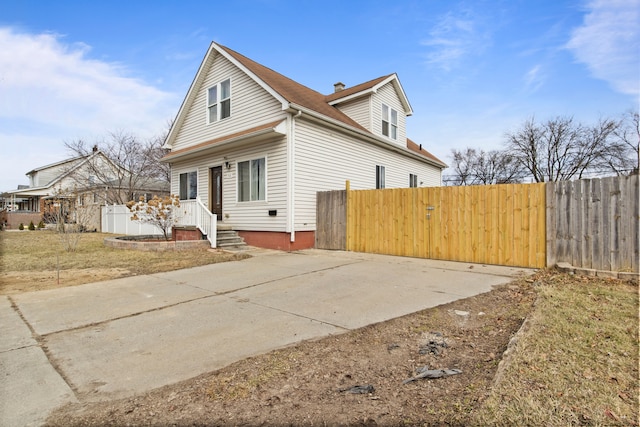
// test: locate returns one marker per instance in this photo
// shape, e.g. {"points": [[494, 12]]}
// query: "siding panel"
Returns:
{"points": [[359, 110], [325, 160], [243, 215], [250, 106]]}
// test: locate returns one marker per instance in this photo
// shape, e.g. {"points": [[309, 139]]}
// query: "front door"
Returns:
{"points": [[216, 192]]}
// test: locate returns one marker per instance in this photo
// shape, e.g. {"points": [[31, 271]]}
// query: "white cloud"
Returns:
{"points": [[534, 79], [49, 82], [608, 41], [52, 91], [453, 38]]}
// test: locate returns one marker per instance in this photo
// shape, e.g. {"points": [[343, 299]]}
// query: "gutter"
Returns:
{"points": [[337, 125], [198, 148]]}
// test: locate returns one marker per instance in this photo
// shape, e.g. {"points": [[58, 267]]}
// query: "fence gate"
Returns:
{"points": [[331, 220], [494, 224]]}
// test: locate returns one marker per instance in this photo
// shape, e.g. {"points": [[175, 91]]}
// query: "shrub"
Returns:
{"points": [[160, 212], [31, 226], [41, 224], [21, 226]]}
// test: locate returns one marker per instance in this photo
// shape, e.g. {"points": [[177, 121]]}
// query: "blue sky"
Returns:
{"points": [[472, 70]]}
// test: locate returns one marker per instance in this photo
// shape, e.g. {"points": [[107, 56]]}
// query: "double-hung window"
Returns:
{"points": [[219, 101], [389, 122], [379, 176], [252, 180], [188, 185], [413, 180]]}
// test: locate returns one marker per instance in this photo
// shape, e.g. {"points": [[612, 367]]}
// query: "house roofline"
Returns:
{"points": [[294, 108], [61, 162], [335, 99], [257, 133], [189, 98]]}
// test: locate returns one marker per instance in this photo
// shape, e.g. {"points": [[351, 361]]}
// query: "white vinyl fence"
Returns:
{"points": [[116, 219]]}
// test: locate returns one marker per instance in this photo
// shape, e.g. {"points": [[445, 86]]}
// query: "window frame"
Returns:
{"points": [[413, 180], [380, 177], [389, 122], [190, 187], [219, 104], [253, 194]]}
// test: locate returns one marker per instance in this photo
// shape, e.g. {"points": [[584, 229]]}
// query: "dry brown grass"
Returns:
{"points": [[577, 364], [36, 260]]}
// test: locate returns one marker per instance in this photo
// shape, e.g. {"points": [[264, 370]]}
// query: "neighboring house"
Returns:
{"points": [[254, 146], [72, 187]]}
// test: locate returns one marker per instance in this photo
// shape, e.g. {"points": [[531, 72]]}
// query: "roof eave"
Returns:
{"points": [[197, 81], [365, 135], [352, 96], [277, 130]]}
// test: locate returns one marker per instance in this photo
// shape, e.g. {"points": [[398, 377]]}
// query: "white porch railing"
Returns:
{"points": [[194, 212]]}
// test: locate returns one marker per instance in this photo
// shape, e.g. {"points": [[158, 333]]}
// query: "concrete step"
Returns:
{"points": [[228, 239]]}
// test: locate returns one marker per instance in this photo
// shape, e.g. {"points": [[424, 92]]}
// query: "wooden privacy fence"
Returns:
{"points": [[589, 223], [497, 224], [593, 223]]}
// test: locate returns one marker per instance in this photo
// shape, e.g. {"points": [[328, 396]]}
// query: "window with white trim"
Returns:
{"points": [[188, 185], [389, 122], [413, 180], [252, 180], [379, 177], [219, 101]]}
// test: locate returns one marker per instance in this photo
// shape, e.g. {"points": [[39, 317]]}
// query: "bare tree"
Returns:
{"points": [[626, 157], [475, 167], [462, 166], [131, 164], [562, 149], [70, 220]]}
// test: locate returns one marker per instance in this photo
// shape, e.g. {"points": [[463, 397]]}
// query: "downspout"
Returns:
{"points": [[291, 176]]}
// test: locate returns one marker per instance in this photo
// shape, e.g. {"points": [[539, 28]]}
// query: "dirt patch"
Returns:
{"points": [[14, 282], [357, 378]]}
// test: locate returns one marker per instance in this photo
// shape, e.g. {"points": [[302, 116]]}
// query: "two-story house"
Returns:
{"points": [[74, 190], [254, 146]]}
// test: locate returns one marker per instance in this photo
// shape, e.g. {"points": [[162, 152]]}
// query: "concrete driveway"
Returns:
{"points": [[122, 337]]}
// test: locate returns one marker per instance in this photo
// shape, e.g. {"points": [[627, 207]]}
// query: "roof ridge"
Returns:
{"points": [[292, 91], [356, 88], [236, 54]]}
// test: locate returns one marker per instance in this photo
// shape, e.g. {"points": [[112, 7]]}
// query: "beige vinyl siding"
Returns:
{"points": [[243, 215], [45, 176], [387, 95], [325, 160], [251, 106], [359, 110]]}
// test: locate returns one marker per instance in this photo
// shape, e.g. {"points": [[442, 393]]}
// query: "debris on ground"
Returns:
{"points": [[359, 389], [435, 342], [432, 374]]}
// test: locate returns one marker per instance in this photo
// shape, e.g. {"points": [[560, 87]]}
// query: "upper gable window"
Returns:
{"points": [[219, 101], [389, 122]]}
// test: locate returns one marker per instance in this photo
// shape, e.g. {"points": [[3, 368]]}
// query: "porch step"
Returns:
{"points": [[228, 239]]}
